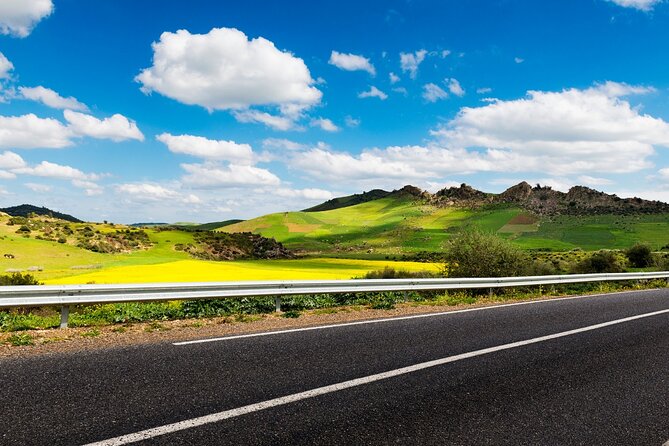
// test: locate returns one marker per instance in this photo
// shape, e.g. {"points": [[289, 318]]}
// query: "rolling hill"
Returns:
{"points": [[24, 210], [409, 221]]}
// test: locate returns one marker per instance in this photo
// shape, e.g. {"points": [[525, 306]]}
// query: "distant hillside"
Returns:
{"points": [[215, 225], [410, 220], [147, 225], [25, 209], [349, 200]]}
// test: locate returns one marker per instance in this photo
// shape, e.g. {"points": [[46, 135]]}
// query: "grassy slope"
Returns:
{"points": [[391, 226]]}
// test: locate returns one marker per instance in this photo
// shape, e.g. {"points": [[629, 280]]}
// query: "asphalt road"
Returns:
{"points": [[608, 385]]}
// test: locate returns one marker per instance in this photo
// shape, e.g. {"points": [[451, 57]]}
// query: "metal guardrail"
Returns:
{"points": [[68, 295]]}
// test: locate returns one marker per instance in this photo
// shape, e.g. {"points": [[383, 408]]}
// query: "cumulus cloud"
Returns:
{"points": [[641, 5], [483, 90], [148, 192], [10, 160], [208, 148], [433, 93], [224, 70], [19, 17], [373, 92], [50, 98], [324, 124], [409, 62], [212, 175], [6, 67], [455, 87], [282, 143], [46, 169], [393, 78], [117, 127], [30, 132], [594, 181], [89, 187], [568, 131], [351, 62], [518, 60]]}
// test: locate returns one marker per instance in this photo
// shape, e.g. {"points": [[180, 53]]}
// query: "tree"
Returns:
{"points": [[640, 255], [474, 253]]}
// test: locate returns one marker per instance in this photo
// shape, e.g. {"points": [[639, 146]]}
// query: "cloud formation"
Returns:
{"points": [[433, 93], [51, 99], [409, 62], [641, 5], [351, 62], [373, 92], [117, 127], [19, 17], [209, 149], [224, 70]]}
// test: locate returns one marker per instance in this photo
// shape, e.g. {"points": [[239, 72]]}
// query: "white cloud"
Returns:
{"points": [[393, 78], [641, 5], [281, 143], [411, 61], [148, 192], [373, 92], [309, 194], [50, 98], [10, 160], [6, 67], [224, 70], [351, 122], [445, 54], [46, 169], [90, 188], [594, 181], [433, 93], [401, 90], [351, 62], [208, 148], [455, 87], [518, 60], [568, 131], [211, 175], [621, 89], [324, 124], [39, 188], [276, 122], [18, 17], [30, 132], [483, 90], [117, 127]]}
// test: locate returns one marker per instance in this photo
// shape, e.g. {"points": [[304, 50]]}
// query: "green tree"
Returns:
{"points": [[474, 253], [600, 262]]}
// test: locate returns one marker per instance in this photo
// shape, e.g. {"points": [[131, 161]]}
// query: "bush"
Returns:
{"points": [[479, 254], [599, 262], [640, 256], [392, 273], [18, 279]]}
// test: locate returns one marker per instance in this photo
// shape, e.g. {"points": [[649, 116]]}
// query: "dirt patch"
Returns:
{"points": [[523, 219], [302, 227]]}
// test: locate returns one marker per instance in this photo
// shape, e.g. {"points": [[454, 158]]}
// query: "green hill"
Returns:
{"points": [[349, 200], [25, 210], [404, 224]]}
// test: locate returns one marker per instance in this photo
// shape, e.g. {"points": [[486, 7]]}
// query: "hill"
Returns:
{"points": [[409, 221], [349, 200], [25, 210], [215, 225]]}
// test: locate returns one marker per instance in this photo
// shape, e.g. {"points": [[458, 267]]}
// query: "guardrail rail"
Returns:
{"points": [[64, 296]]}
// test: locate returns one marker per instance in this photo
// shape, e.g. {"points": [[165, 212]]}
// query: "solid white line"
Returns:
{"points": [[392, 319], [220, 416]]}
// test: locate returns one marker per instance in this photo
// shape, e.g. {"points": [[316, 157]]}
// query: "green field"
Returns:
{"points": [[393, 226]]}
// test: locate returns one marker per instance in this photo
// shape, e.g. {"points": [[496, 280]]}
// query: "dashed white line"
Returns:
{"points": [[390, 319], [227, 414]]}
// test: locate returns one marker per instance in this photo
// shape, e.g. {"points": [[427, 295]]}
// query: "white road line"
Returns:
{"points": [[220, 416], [392, 319]]}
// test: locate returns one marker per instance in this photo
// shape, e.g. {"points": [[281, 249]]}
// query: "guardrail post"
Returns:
{"points": [[64, 315], [277, 303], [490, 293], [406, 296]]}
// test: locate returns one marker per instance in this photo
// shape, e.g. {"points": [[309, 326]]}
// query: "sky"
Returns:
{"points": [[143, 111]]}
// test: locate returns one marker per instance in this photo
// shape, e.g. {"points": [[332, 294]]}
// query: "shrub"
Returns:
{"points": [[479, 254], [640, 256], [18, 279], [392, 273], [599, 262]]}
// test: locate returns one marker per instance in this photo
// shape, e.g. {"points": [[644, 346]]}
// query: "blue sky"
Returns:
{"points": [[136, 110]]}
